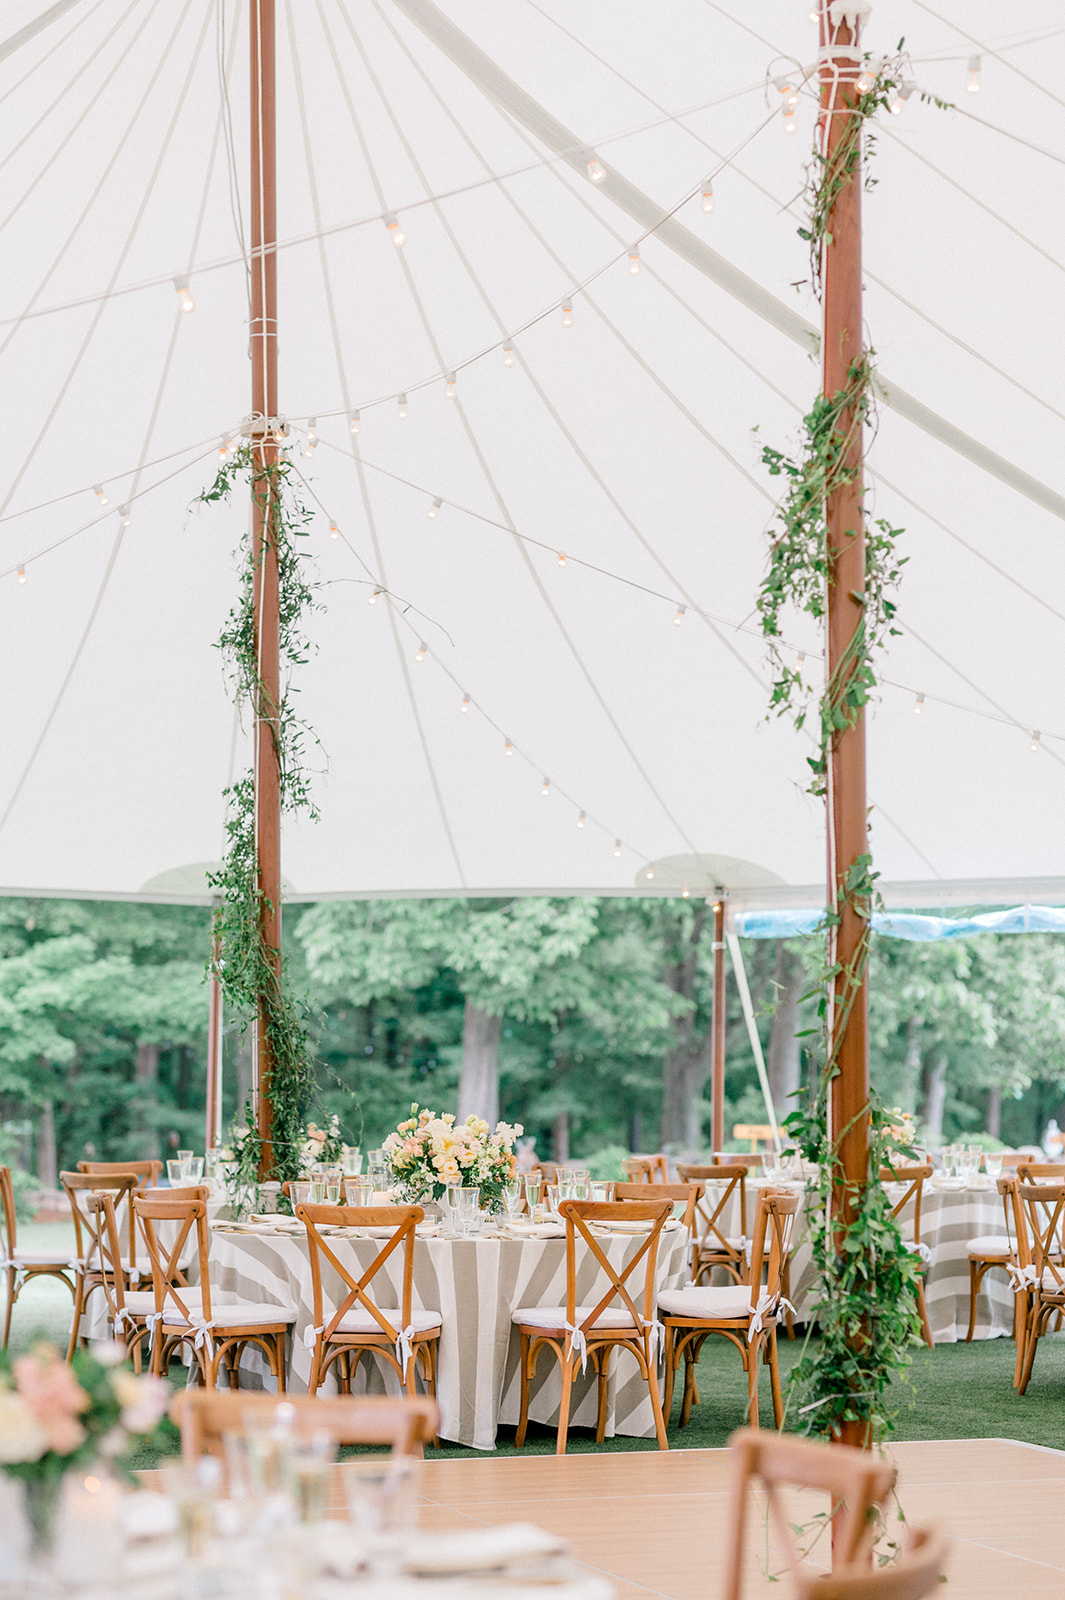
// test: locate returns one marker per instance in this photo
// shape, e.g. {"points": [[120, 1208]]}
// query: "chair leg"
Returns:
{"points": [[602, 1360], [79, 1307], [1020, 1331], [656, 1400], [789, 1319], [1031, 1340], [10, 1305], [774, 1379], [523, 1415], [751, 1360], [922, 1309], [976, 1273], [689, 1383], [670, 1359], [564, 1404]]}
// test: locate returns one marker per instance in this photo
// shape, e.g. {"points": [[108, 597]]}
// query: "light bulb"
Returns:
{"points": [[450, 389], [465, 706], [789, 123], [508, 355], [799, 659], [395, 232], [334, 531], [545, 788], [433, 509], [373, 596], [312, 436], [508, 749], [617, 847], [401, 407], [98, 491], [21, 574], [223, 450], [791, 100], [421, 652], [815, 16], [634, 262], [581, 820], [685, 894], [650, 872], [567, 315], [596, 170], [918, 705], [125, 515], [679, 618], [1033, 747], [973, 85], [182, 287], [561, 559], [708, 197], [356, 422]]}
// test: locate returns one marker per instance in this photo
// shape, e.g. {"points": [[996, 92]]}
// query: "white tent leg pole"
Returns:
{"points": [[752, 1032]]}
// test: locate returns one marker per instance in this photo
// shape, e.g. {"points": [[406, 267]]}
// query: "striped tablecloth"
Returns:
{"points": [[474, 1284]]}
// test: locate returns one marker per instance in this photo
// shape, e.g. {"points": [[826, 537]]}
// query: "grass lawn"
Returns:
{"points": [[957, 1391]]}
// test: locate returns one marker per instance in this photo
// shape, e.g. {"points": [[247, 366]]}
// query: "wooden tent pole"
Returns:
{"points": [[847, 828], [263, 348], [717, 1041], [215, 1021]]}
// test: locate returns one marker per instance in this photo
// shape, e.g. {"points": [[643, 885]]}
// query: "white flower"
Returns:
{"points": [[21, 1436]]}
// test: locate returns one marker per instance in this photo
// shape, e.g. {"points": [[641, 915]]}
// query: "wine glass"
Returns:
{"points": [[993, 1164], [532, 1193], [513, 1199], [332, 1186], [317, 1186]]}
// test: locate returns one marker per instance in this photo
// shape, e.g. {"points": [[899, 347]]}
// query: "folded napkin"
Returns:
{"points": [[512, 1544], [536, 1230]]}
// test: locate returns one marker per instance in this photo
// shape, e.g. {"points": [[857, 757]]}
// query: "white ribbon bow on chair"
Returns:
{"points": [[405, 1348], [656, 1340], [151, 1322], [925, 1253], [767, 1304], [203, 1333], [20, 1272], [310, 1336], [1022, 1277], [579, 1343]]}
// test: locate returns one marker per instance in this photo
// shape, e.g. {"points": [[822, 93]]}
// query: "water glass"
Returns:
{"points": [[359, 1191], [332, 1186], [513, 1198], [600, 1191], [469, 1196], [306, 1466], [212, 1163], [383, 1507], [299, 1194], [450, 1207], [563, 1175], [580, 1175], [351, 1157], [578, 1189], [317, 1186], [175, 1172], [185, 1155], [553, 1196], [194, 1169], [993, 1164]]}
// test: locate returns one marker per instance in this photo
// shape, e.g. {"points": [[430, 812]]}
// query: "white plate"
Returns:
{"points": [[481, 1550]]}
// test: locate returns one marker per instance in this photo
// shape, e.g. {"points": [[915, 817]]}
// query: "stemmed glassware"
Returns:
{"points": [[532, 1194]]}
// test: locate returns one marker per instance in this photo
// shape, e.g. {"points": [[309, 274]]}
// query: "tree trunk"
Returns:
{"points": [[687, 1066], [146, 1078], [994, 1112], [479, 1083], [783, 1059], [47, 1166], [560, 1139], [913, 1056], [935, 1094]]}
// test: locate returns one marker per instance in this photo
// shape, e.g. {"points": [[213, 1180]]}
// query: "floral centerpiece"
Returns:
{"points": [[429, 1150], [240, 1158], [56, 1418], [320, 1146]]}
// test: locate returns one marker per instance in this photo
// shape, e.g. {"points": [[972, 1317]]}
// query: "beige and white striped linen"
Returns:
{"points": [[474, 1284]]}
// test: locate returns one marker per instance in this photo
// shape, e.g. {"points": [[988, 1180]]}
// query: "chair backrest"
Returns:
{"points": [[687, 1193], [7, 1213], [729, 1158], [78, 1186], [148, 1173], [857, 1483], [107, 1252], [188, 1209], [646, 1169], [1016, 1225], [770, 1243], [732, 1176], [758, 1133], [916, 1573], [1044, 1213], [580, 1216], [1041, 1171], [405, 1422], [914, 1179], [402, 1220]]}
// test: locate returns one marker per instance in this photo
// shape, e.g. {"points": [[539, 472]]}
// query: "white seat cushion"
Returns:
{"points": [[361, 1321], [990, 1244], [239, 1314], [141, 1301], [712, 1244], [734, 1300], [43, 1258], [614, 1318]]}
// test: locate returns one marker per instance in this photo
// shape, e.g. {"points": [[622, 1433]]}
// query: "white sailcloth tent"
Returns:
{"points": [[584, 594]]}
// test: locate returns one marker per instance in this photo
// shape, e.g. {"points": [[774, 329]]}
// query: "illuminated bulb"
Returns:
{"points": [[545, 788], [596, 170], [973, 85], [421, 652], [679, 618], [373, 596], [356, 422], [650, 872], [401, 408], [22, 574], [895, 106], [791, 99], [567, 315], [581, 820], [223, 449], [789, 122], [918, 705], [312, 436], [508, 749], [561, 559], [334, 531], [98, 491], [685, 894], [634, 262], [450, 390], [1033, 747], [465, 706], [182, 287], [508, 355], [395, 232], [125, 515], [617, 847], [433, 509], [708, 197], [799, 659], [815, 16]]}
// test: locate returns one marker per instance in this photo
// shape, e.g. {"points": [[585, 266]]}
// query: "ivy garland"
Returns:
{"points": [[248, 969], [867, 1275]]}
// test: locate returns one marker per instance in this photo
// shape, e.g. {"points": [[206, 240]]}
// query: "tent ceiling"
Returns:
{"points": [[624, 441]]}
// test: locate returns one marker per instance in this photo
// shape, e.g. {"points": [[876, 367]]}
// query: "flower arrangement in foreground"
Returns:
{"points": [[428, 1151], [55, 1418]]}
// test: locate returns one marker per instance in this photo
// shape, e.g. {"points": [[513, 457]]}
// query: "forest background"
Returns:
{"points": [[585, 1019]]}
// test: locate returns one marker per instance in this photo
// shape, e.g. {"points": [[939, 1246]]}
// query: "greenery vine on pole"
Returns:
{"points": [[245, 965], [868, 1277]]}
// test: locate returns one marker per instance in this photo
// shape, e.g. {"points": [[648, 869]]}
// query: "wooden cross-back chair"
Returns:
{"points": [[576, 1334], [758, 1133], [996, 1250], [404, 1422], [1042, 1275], [147, 1173], [127, 1325], [918, 1572], [406, 1338], [1041, 1171], [712, 1247], [89, 1274], [646, 1169], [215, 1330], [856, 1482], [686, 1194], [912, 1177], [21, 1266], [746, 1314]]}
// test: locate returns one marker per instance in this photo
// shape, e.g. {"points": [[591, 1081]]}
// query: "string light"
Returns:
{"points": [[815, 16], [401, 407], [356, 422], [182, 287], [450, 390], [125, 516], [863, 83], [789, 120], [581, 820], [561, 559], [433, 509], [223, 449], [650, 872], [567, 314], [395, 232], [465, 706], [918, 705], [421, 652], [634, 262], [1034, 746], [21, 574], [679, 618], [799, 659], [98, 491], [685, 894], [508, 749], [508, 355], [905, 89], [334, 531], [617, 847], [707, 201], [373, 596], [545, 788], [312, 436], [596, 170], [973, 85]]}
